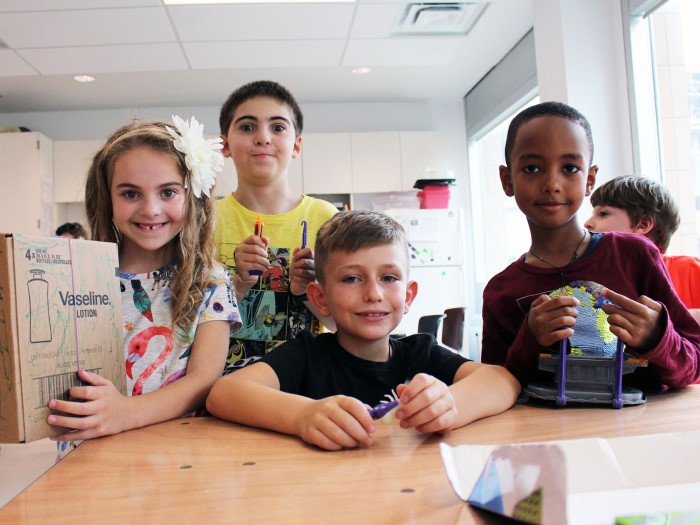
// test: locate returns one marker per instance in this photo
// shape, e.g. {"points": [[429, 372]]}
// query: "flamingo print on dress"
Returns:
{"points": [[137, 349]]}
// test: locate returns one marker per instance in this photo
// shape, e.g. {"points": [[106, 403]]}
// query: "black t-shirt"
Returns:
{"points": [[316, 366]]}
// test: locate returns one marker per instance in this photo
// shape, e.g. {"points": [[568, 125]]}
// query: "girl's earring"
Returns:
{"points": [[117, 233]]}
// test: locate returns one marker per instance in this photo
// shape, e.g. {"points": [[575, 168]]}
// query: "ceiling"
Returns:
{"points": [[146, 54]]}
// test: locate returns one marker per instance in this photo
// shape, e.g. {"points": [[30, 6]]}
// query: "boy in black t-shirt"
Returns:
{"points": [[318, 387]]}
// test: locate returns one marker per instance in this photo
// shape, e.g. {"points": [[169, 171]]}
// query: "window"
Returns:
{"points": [[667, 44]]}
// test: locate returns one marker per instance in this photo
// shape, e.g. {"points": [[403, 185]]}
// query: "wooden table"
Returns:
{"points": [[202, 470]]}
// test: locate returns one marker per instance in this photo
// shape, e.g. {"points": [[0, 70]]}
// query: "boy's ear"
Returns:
{"points": [[411, 292], [314, 292], [297, 148], [645, 225], [225, 148], [506, 180], [590, 180]]}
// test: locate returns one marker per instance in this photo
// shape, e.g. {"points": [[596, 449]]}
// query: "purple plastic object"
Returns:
{"points": [[561, 374], [617, 386], [382, 409]]}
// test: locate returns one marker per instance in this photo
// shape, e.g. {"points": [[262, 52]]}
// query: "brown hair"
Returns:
{"points": [[350, 231], [192, 249], [640, 196]]}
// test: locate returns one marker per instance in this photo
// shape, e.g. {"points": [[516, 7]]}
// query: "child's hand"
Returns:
{"points": [[336, 422], [426, 404], [251, 255], [105, 410], [302, 272], [636, 323], [551, 320]]}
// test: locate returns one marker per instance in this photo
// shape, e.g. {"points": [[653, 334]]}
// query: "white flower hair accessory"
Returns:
{"points": [[202, 156]]}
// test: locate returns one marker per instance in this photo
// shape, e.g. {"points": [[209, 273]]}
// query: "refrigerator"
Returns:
{"points": [[437, 262]]}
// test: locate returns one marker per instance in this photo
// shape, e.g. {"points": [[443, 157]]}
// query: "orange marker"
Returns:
{"points": [[258, 231]]}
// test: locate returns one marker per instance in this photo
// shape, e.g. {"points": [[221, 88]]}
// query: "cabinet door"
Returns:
{"points": [[71, 161], [327, 163], [424, 155], [376, 162], [25, 168]]}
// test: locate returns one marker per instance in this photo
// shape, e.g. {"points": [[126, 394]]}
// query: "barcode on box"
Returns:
{"points": [[57, 386]]}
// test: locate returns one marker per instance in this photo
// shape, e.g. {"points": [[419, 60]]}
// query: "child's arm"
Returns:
{"points": [[250, 255], [106, 411], [252, 396], [301, 274], [429, 405]]}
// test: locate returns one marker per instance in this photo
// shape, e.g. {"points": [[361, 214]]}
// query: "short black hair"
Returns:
{"points": [[74, 229], [260, 88], [554, 109]]}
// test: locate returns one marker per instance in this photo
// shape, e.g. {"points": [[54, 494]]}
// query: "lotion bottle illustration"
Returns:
{"points": [[39, 318]]}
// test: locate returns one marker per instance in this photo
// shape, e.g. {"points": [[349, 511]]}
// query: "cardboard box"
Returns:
{"points": [[591, 481], [60, 311]]}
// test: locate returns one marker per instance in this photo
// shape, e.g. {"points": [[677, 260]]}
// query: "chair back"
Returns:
{"points": [[453, 328], [430, 324]]}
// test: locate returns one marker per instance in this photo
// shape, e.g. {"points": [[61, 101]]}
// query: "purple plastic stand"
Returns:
{"points": [[561, 374], [617, 385]]}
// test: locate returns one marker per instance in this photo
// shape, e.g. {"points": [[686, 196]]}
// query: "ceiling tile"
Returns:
{"points": [[106, 59], [297, 53], [12, 65], [375, 20], [87, 27], [10, 6], [262, 22], [411, 51]]}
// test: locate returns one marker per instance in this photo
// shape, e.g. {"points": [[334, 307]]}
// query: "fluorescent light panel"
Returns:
{"points": [[205, 2]]}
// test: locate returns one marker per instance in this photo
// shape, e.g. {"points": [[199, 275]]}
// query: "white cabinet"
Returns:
{"points": [[327, 163], [26, 180], [71, 161], [376, 162], [424, 155]]}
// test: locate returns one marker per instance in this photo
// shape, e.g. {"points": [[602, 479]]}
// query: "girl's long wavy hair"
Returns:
{"points": [[192, 249]]}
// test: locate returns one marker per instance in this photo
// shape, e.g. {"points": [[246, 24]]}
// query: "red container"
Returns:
{"points": [[432, 197]]}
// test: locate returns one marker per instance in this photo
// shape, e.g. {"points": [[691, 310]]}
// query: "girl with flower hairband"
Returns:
{"points": [[148, 190]]}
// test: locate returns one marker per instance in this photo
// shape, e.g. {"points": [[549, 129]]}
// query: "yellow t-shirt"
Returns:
{"points": [[269, 314]]}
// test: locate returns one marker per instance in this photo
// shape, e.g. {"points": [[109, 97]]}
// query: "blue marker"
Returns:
{"points": [[303, 234]]}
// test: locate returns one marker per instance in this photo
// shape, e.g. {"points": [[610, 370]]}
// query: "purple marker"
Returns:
{"points": [[303, 234]]}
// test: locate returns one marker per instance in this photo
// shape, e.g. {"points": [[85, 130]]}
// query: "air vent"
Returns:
{"points": [[439, 18]]}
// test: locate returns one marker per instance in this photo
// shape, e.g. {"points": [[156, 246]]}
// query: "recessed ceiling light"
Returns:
{"points": [[83, 78], [361, 71]]}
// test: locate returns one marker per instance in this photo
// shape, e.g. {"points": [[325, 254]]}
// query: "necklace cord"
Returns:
{"points": [[574, 255]]}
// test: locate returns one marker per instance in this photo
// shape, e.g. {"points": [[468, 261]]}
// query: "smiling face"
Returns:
{"points": [[550, 171], [367, 293], [148, 201], [261, 140]]}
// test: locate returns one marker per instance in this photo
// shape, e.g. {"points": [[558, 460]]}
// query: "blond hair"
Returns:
{"points": [[192, 250]]}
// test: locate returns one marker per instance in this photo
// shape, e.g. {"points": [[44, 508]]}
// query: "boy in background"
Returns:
{"points": [[637, 204], [317, 387], [261, 125], [549, 170]]}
